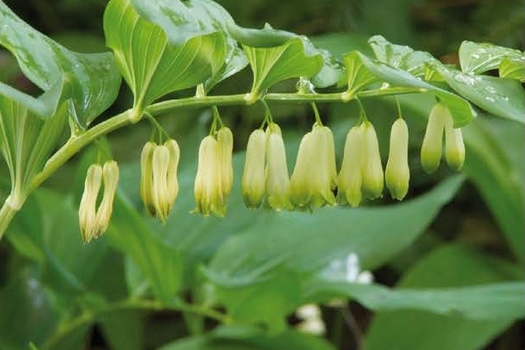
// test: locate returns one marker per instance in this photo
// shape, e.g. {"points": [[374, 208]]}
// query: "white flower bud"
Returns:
{"points": [[350, 178], [454, 146], [433, 140], [397, 171], [277, 178], [208, 182], [373, 179], [253, 177]]}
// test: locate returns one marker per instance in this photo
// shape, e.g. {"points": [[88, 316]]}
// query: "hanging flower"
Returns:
{"points": [[350, 177], [214, 178], [372, 171], [433, 140], [277, 178], [253, 177], [397, 172], [454, 146], [94, 222], [314, 176], [159, 186]]}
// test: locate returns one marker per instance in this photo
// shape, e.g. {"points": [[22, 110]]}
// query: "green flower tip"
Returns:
{"points": [[159, 186], [214, 179], [94, 222]]}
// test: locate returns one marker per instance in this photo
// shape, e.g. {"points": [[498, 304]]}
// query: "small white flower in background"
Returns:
{"points": [[347, 270], [312, 323]]}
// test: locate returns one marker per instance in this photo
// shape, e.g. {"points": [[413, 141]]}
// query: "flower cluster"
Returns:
{"points": [[158, 184], [94, 222], [315, 181]]}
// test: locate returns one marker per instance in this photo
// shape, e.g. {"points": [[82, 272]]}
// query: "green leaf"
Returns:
{"points": [[27, 142], [282, 341], [477, 58], [403, 57], [25, 302], [157, 261], [484, 302], [269, 258], [494, 163], [456, 266], [499, 96], [513, 68], [122, 329], [91, 81], [362, 71], [152, 65], [274, 64], [253, 255]]}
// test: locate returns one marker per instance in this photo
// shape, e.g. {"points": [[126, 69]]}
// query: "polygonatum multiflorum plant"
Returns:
{"points": [[161, 47]]}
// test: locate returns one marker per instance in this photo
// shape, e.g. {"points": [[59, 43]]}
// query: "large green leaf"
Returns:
{"points": [[151, 64], [362, 71], [91, 81], [158, 262], [495, 165], [280, 249], [485, 302], [456, 266], [513, 68], [478, 58]]}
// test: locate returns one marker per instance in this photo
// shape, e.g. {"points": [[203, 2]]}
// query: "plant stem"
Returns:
{"points": [[88, 318], [7, 214], [78, 141]]}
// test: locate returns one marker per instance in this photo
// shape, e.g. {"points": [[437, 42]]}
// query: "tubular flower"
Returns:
{"points": [[433, 140], [214, 178], [93, 222], [350, 178], [159, 186], [277, 181], [454, 146], [397, 171], [253, 177], [372, 169], [314, 176], [225, 149]]}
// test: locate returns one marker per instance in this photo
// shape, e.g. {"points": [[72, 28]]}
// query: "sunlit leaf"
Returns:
{"points": [[152, 65], [513, 68], [272, 65], [90, 80], [400, 56], [478, 58], [501, 97]]}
